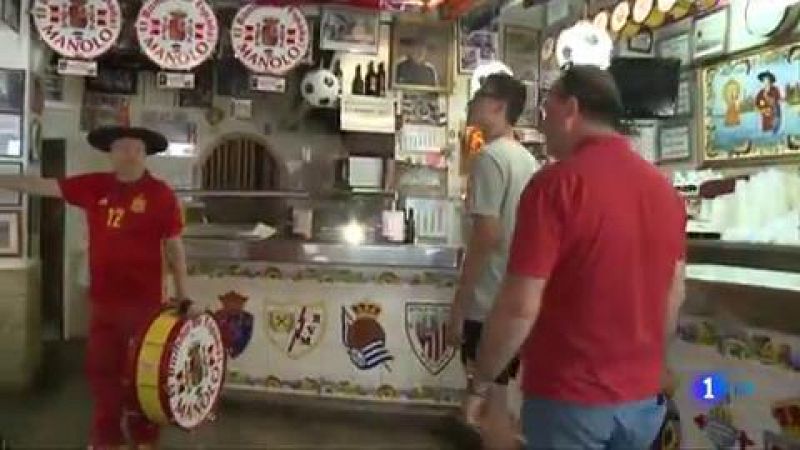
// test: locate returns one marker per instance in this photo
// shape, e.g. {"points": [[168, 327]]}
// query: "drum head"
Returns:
{"points": [[193, 371]]}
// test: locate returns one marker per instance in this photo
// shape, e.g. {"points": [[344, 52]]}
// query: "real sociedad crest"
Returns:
{"points": [[426, 328], [235, 322], [295, 328], [364, 337]]}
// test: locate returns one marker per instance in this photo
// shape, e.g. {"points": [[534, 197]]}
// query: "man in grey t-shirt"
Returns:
{"points": [[499, 174]]}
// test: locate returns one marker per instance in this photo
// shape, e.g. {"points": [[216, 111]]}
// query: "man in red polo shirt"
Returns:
{"points": [[594, 280], [134, 221]]}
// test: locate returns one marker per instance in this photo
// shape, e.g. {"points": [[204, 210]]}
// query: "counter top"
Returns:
{"points": [[300, 252]]}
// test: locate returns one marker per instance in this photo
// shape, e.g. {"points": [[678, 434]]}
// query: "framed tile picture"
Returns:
{"points": [[10, 231], [10, 198]]}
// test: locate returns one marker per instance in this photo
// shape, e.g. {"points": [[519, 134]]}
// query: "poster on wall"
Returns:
{"points": [[710, 34], [521, 52], [349, 30], [476, 46], [751, 107], [99, 110], [422, 56]]}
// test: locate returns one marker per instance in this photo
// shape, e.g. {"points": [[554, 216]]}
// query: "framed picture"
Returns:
{"points": [[677, 46], [100, 110], [10, 135], [521, 52], [10, 230], [10, 198], [12, 90], [475, 46], [674, 141], [710, 34], [422, 56], [642, 42], [349, 30], [113, 81], [750, 107], [11, 14], [424, 108], [202, 95]]}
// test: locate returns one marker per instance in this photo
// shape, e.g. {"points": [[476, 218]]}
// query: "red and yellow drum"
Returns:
{"points": [[179, 369]]}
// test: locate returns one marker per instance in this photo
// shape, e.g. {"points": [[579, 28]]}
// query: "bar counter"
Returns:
{"points": [[364, 322]]}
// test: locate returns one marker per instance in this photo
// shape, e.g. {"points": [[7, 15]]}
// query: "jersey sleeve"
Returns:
{"points": [[81, 190], [172, 223], [540, 224], [486, 187]]}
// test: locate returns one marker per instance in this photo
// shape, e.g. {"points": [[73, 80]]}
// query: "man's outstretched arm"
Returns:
{"points": [[30, 184]]}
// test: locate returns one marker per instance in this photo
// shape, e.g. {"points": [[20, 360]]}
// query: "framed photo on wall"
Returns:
{"points": [[349, 30], [476, 46], [676, 46], [675, 141], [521, 52], [113, 81], [10, 135], [710, 34], [749, 107], [10, 230], [10, 198], [422, 53], [12, 90]]}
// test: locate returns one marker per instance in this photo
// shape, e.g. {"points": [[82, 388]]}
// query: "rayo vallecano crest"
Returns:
{"points": [[295, 329], [426, 328]]}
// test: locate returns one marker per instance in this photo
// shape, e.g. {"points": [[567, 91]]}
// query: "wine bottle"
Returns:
{"points": [[411, 227], [358, 82], [371, 80], [381, 80], [337, 72]]}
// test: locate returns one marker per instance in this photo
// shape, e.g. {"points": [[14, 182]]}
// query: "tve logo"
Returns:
{"points": [[715, 387]]}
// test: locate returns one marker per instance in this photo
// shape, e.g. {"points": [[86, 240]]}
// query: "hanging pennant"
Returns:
{"points": [[269, 39], [78, 30], [177, 35]]}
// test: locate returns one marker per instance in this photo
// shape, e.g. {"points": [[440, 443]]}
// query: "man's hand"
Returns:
{"points": [[185, 307]]}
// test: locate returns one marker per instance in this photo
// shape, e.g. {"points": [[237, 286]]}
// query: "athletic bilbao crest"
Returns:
{"points": [[295, 329], [236, 323], [426, 328], [364, 337]]}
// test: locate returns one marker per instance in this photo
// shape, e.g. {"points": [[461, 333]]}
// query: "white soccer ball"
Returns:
{"points": [[584, 44], [320, 88]]}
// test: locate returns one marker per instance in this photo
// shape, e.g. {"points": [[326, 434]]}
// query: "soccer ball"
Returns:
{"points": [[320, 88], [584, 44]]}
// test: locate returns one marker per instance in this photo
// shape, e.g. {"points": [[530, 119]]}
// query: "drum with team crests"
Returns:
{"points": [[178, 369]]}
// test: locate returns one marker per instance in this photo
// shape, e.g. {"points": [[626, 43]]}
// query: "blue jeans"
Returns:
{"points": [[550, 424]]}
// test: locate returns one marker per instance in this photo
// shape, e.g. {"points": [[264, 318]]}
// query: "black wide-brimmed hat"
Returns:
{"points": [[767, 74], [102, 138]]}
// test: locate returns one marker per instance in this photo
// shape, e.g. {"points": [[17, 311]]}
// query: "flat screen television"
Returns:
{"points": [[648, 86]]}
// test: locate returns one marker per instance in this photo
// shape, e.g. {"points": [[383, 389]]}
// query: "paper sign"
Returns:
{"points": [[422, 138], [368, 114], [77, 67], [175, 80], [267, 83]]}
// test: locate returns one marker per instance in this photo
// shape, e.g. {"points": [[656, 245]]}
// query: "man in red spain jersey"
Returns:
{"points": [[594, 280], [134, 222]]}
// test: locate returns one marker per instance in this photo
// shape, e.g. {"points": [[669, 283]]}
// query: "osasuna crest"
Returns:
{"points": [[426, 328], [364, 337], [235, 322], [82, 29], [295, 329]]}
